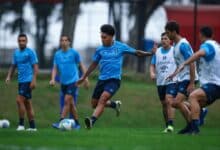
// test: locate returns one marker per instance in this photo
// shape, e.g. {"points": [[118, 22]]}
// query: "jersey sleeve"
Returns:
{"points": [[127, 49], [186, 50], [209, 51], [96, 56], [153, 60], [33, 57]]}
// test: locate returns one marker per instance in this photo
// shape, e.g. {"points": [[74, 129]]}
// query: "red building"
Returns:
{"points": [[206, 15]]}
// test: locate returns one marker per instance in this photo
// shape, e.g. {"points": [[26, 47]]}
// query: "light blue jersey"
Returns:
{"points": [[24, 61], [209, 71], [67, 65], [110, 59]]}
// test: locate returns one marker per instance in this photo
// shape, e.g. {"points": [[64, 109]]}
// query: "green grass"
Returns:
{"points": [[138, 128]]}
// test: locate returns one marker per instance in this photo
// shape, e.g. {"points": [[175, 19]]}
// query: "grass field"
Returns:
{"points": [[138, 128]]}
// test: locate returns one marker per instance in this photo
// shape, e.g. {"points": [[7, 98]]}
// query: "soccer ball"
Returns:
{"points": [[4, 123], [66, 124]]}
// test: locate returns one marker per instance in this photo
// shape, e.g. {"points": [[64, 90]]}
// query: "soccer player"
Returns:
{"points": [[66, 62], [109, 57], [25, 59], [186, 78], [162, 64], [209, 76]]}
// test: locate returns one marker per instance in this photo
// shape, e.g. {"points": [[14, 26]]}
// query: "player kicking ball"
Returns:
{"points": [[109, 58]]}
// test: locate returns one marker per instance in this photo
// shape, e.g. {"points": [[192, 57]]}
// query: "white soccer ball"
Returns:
{"points": [[66, 124], [4, 123]]}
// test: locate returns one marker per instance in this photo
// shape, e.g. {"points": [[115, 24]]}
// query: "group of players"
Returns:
{"points": [[172, 66]]}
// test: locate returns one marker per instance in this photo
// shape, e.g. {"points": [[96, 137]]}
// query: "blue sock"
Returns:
{"points": [[170, 122], [112, 104], [32, 124], [195, 124], [77, 122], [93, 118], [21, 121]]}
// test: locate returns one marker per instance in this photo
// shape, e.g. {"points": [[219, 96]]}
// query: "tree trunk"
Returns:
{"points": [[70, 13], [141, 11]]}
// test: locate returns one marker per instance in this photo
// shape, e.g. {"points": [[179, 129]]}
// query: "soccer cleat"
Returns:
{"points": [[56, 125], [186, 130], [202, 116], [76, 127], [20, 128], [31, 129], [88, 123], [118, 108]]}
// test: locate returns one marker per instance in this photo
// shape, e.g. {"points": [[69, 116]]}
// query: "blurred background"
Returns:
{"points": [[138, 23]]}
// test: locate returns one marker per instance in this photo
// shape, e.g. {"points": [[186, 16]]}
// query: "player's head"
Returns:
{"points": [[172, 29], [205, 33], [165, 41], [22, 41], [107, 34], [64, 42]]}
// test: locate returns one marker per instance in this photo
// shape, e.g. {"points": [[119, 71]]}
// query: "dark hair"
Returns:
{"points": [[108, 29], [206, 31], [163, 34], [172, 26], [68, 38], [22, 35]]}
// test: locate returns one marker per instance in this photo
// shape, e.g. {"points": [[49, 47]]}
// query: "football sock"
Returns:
{"points": [[170, 122], [32, 124], [112, 104], [93, 118], [195, 124], [77, 122], [21, 121]]}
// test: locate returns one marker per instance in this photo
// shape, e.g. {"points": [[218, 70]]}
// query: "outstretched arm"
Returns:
{"points": [[92, 67], [143, 53]]}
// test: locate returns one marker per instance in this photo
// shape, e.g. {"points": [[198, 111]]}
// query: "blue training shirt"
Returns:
{"points": [[24, 61], [110, 59], [67, 65], [186, 50], [209, 51]]}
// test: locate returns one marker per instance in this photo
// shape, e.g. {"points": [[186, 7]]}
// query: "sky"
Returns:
{"points": [[92, 16]]}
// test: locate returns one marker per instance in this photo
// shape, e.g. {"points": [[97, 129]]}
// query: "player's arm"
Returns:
{"points": [[33, 82], [153, 68], [196, 56], [152, 72], [10, 73], [53, 75], [83, 69], [91, 68], [141, 53]]}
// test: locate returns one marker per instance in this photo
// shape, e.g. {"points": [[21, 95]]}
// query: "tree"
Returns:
{"points": [[70, 13], [43, 10], [140, 10]]}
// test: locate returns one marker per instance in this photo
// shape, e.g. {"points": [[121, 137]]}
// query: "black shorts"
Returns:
{"points": [[212, 92], [163, 90], [25, 90], [68, 89], [182, 87], [111, 86]]}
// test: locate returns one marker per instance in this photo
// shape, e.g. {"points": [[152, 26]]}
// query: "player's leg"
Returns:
{"points": [[30, 115], [200, 98], [20, 100], [161, 90], [108, 89], [179, 104], [171, 91], [21, 112], [29, 107], [99, 109]]}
